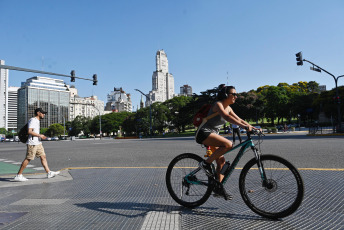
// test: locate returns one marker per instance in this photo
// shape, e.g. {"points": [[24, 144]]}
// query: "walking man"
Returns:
{"points": [[35, 147], [236, 131]]}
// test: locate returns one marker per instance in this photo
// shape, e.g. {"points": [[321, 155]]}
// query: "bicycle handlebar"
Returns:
{"points": [[254, 132]]}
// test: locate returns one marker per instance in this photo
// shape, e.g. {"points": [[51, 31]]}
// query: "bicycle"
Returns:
{"points": [[269, 185]]}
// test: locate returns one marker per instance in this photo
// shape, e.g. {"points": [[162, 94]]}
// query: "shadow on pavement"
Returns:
{"points": [[119, 208]]}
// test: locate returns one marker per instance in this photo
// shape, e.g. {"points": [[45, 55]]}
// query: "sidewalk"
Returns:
{"points": [[34, 179]]}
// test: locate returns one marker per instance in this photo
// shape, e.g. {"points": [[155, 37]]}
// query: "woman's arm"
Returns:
{"points": [[230, 116], [227, 114], [248, 126]]}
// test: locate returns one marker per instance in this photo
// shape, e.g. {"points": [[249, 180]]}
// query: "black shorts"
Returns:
{"points": [[202, 135]]}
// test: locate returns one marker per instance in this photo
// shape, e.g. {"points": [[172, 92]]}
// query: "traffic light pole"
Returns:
{"points": [[95, 80], [337, 92]]}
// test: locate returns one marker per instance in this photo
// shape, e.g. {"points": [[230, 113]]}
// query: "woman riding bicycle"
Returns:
{"points": [[208, 134]]}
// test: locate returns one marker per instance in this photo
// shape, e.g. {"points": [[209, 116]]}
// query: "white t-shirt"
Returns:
{"points": [[35, 125]]}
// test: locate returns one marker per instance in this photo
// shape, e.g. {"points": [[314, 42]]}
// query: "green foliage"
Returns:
{"points": [[3, 131], [78, 125], [267, 103], [55, 130]]}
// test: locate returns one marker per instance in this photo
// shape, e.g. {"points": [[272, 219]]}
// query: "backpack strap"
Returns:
{"points": [[205, 119]]}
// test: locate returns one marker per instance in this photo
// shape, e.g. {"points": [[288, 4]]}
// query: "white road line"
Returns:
{"points": [[157, 220]]}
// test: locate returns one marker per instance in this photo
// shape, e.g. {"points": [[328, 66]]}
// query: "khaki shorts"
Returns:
{"points": [[34, 151]]}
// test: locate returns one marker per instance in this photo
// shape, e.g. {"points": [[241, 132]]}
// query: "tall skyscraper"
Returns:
{"points": [[162, 80], [12, 108], [52, 95], [3, 96]]}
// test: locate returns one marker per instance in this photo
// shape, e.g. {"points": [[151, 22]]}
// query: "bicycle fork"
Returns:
{"points": [[265, 182]]}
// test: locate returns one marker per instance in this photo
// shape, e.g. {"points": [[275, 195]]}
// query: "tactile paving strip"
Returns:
{"points": [[131, 198]]}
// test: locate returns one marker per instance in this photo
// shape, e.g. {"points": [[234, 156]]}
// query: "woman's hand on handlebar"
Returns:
{"points": [[253, 130]]}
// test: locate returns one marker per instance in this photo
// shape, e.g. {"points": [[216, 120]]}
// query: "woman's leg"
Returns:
{"points": [[223, 144], [219, 164]]}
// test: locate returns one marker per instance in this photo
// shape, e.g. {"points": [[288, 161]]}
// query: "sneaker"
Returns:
{"points": [[51, 174], [20, 178], [207, 168], [221, 192]]}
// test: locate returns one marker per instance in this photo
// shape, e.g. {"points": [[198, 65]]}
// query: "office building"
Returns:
{"points": [[52, 95], [3, 97], [162, 80], [186, 90], [12, 108], [84, 106]]}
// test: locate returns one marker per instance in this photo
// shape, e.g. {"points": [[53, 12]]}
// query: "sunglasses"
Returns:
{"points": [[234, 94]]}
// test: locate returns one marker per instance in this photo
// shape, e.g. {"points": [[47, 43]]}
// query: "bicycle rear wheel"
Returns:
{"points": [[283, 193], [187, 184]]}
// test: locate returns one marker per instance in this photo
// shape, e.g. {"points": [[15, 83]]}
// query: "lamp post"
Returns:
{"points": [[319, 69], [64, 127], [150, 110]]}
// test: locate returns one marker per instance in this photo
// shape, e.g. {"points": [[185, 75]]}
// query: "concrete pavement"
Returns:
{"points": [[132, 193]]}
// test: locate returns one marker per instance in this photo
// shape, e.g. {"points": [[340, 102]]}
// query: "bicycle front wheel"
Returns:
{"points": [[187, 184], [283, 193]]}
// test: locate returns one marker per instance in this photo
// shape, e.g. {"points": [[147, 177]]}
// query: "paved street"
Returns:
{"points": [[120, 184]]}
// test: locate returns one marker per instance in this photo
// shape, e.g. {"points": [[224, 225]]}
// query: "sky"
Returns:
{"points": [[246, 43]]}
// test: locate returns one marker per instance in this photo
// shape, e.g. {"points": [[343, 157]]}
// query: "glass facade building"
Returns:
{"points": [[52, 95]]}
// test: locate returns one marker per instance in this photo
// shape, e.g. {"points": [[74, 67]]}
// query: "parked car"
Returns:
{"points": [[54, 138]]}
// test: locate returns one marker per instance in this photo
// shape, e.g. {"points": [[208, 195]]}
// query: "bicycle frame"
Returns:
{"points": [[244, 145]]}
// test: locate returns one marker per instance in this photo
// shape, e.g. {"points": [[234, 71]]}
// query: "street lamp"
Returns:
{"points": [[150, 110], [319, 69]]}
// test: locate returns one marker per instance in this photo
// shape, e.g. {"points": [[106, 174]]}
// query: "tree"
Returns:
{"points": [[78, 125], [276, 100], [129, 124], [176, 115], [110, 122], [55, 130], [160, 114], [142, 121]]}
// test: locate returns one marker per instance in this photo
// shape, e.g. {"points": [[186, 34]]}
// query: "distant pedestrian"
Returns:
{"points": [[236, 130], [35, 147]]}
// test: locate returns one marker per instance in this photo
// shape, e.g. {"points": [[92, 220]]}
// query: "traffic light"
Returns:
{"points": [[299, 60], [95, 80], [72, 76]]}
